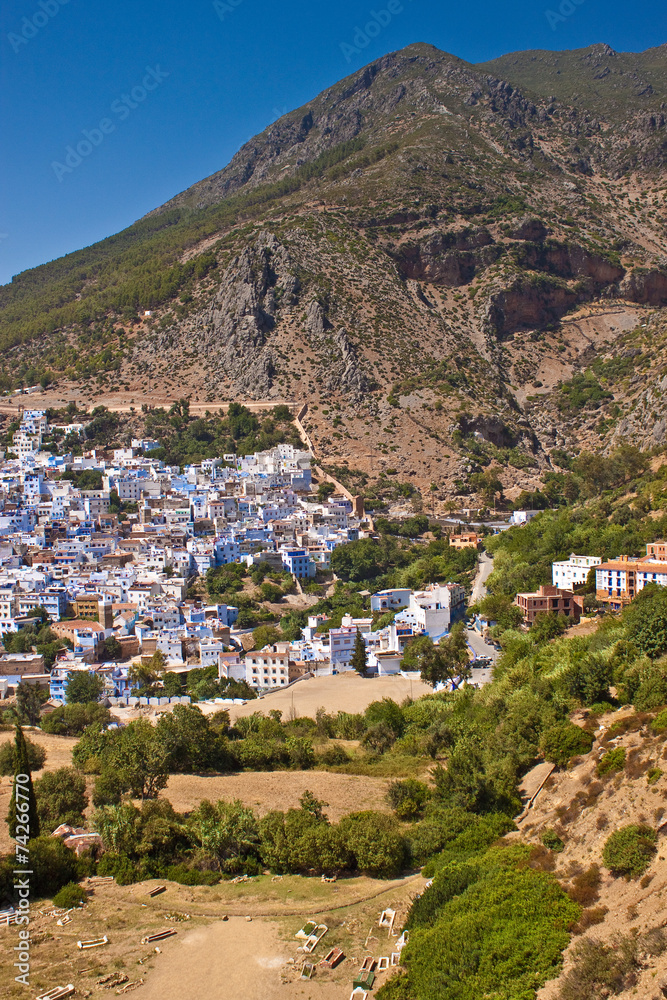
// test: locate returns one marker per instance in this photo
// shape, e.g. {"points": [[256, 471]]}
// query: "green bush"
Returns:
{"points": [[36, 756], [72, 720], [659, 724], [612, 760], [53, 865], [301, 753], [501, 935], [377, 845], [258, 754], [61, 798], [120, 866], [408, 798], [651, 693], [654, 774], [69, 896], [333, 755], [191, 876], [629, 851], [551, 840], [562, 742]]}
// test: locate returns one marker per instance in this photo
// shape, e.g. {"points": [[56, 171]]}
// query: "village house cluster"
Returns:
{"points": [[617, 582], [103, 574]]}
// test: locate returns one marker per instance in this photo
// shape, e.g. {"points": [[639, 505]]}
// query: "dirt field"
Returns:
{"points": [[335, 693], [266, 790], [208, 956]]}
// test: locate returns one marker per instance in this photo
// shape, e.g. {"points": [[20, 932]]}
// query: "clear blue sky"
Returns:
{"points": [[219, 76]]}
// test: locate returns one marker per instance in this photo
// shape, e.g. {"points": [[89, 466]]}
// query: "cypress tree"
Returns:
{"points": [[21, 766], [359, 655]]}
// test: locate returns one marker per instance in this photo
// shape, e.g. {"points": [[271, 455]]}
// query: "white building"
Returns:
{"points": [[434, 609], [268, 668], [523, 516], [573, 572]]}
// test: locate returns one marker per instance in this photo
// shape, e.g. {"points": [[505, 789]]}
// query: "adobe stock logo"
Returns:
{"points": [[566, 9], [122, 107], [222, 9], [31, 26], [379, 20]]}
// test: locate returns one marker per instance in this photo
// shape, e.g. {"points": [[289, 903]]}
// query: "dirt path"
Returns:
{"points": [[129, 401], [231, 960]]}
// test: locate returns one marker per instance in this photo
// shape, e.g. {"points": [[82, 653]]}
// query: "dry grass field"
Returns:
{"points": [[266, 790], [345, 692]]}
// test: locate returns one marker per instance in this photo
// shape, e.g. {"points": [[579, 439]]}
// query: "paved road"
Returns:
{"points": [[479, 646], [484, 571]]}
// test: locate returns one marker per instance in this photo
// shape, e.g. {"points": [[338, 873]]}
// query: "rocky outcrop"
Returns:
{"points": [[448, 259], [489, 428], [530, 229], [342, 370], [237, 324], [569, 261], [530, 303], [646, 424], [647, 287]]}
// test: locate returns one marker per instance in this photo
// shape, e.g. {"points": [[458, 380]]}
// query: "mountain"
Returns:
{"points": [[453, 265]]}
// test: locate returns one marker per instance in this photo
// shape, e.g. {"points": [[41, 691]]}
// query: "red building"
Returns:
{"points": [[550, 599]]}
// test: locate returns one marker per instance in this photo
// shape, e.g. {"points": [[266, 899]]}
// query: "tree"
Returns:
{"points": [[447, 662], [408, 797], [145, 676], [135, 754], [310, 804], [645, 621], [8, 763], [487, 484], [589, 680], [53, 865], [41, 613], [500, 608], [73, 720], [377, 846], [265, 635], [28, 703], [359, 655], [226, 832], [83, 687], [324, 490], [22, 817], [189, 741], [547, 626], [110, 649], [61, 798]]}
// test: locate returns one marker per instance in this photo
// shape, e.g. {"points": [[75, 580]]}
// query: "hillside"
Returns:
{"points": [[583, 808], [423, 253]]}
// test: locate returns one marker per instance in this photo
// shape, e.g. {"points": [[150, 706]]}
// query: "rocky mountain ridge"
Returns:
{"points": [[425, 251]]}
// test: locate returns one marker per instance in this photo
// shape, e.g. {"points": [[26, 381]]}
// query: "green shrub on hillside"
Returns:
{"points": [[500, 933], [36, 756], [408, 797], [612, 760], [562, 742], [551, 840], [659, 724], [69, 896], [630, 850]]}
